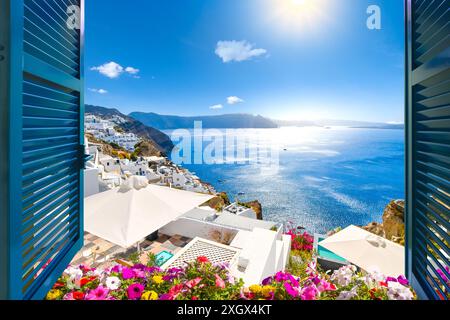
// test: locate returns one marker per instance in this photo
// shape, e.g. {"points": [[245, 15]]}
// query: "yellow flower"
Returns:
{"points": [[255, 288], [157, 279], [149, 295], [53, 294], [266, 290]]}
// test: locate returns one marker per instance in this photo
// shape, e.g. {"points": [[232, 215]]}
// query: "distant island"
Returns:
{"points": [[338, 123], [232, 121]]}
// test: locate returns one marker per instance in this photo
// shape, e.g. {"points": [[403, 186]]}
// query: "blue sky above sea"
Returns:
{"points": [[284, 59]]}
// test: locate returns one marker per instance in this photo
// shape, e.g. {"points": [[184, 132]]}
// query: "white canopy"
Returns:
{"points": [[129, 213], [367, 251]]}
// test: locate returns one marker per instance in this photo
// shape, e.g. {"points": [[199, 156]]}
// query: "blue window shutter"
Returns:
{"points": [[41, 146], [428, 146]]}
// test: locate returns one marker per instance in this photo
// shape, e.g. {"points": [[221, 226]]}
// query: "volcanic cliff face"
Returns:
{"points": [[159, 140]]}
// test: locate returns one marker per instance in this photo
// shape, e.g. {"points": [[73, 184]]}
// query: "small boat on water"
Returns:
{"points": [[241, 193]]}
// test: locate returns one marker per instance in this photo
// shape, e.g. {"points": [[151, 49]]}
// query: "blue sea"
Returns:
{"points": [[324, 178]]}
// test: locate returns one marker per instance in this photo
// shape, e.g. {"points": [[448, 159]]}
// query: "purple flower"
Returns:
{"points": [[153, 269], [139, 266], [127, 273], [267, 281], [101, 293], [390, 279], [117, 268], [166, 296], [403, 281], [134, 291], [290, 290]]}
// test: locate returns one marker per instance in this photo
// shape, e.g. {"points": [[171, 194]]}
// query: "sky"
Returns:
{"points": [[283, 59]]}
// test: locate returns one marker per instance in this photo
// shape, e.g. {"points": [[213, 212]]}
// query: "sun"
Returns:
{"points": [[298, 15]]}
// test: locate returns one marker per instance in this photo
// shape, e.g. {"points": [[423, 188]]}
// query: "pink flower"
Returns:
{"points": [[324, 285], [175, 290], [290, 290], [309, 293], [134, 291], [403, 281], [192, 283], [127, 273], [219, 282], [166, 296], [100, 293]]}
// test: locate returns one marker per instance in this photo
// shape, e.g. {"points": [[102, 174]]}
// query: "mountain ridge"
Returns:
{"points": [[159, 139], [234, 120]]}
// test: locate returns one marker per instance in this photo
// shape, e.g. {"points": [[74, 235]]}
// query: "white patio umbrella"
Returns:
{"points": [[367, 251], [127, 214]]}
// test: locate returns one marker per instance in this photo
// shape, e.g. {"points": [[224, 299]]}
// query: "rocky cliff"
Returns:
{"points": [[393, 226]]}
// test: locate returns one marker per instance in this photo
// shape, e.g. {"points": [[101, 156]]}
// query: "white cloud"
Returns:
{"points": [[132, 70], [113, 70], [237, 51], [216, 107], [101, 91], [234, 100]]}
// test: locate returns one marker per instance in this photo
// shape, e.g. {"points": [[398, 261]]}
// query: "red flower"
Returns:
{"points": [[194, 298], [77, 295], [58, 285], [85, 281], [383, 284], [202, 259]]}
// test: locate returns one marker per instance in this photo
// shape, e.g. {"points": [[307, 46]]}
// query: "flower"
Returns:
{"points": [[127, 273], [157, 279], [348, 295], [134, 291], [192, 283], [267, 281], [309, 293], [75, 295], [202, 259], [290, 290], [112, 283], [267, 290], [149, 295], [219, 282], [100, 293], [166, 296], [175, 290], [255, 288], [54, 294], [403, 281], [194, 298], [344, 276], [396, 291]]}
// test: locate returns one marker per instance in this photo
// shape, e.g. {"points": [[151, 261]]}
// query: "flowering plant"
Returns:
{"points": [[343, 284], [203, 280], [198, 280], [301, 241]]}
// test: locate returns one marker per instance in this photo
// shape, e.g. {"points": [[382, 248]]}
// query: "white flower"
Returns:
{"points": [[112, 283], [348, 295], [396, 291], [74, 273], [344, 276]]}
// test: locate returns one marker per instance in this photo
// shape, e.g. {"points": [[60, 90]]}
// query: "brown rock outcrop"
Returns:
{"points": [[394, 220]]}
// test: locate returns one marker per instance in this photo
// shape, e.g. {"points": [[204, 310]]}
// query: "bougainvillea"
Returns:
{"points": [[300, 241]]}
